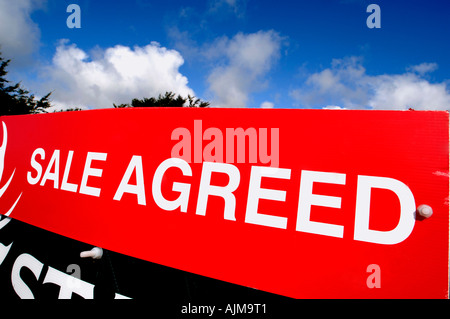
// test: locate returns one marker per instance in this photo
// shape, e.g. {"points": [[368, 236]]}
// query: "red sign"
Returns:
{"points": [[301, 203]]}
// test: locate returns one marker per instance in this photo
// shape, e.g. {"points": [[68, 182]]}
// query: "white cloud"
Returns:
{"points": [[409, 90], [267, 105], [115, 75], [19, 35], [347, 84], [246, 59], [423, 68], [333, 107]]}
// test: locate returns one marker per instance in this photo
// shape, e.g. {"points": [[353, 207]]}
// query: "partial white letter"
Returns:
{"points": [[64, 184], [68, 284], [308, 199], [183, 199], [54, 161], [28, 261], [36, 166], [138, 189], [89, 171], [255, 192], [362, 215], [226, 192]]}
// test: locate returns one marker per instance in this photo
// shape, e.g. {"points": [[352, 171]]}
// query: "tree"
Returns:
{"points": [[166, 100], [15, 100], [72, 109], [193, 102]]}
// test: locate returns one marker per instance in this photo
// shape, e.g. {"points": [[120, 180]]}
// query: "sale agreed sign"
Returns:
{"points": [[300, 203]]}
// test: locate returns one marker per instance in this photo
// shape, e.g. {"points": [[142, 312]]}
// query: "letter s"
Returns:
{"points": [[36, 166], [28, 261]]}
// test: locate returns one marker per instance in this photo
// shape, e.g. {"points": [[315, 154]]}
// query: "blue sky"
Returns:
{"points": [[233, 53]]}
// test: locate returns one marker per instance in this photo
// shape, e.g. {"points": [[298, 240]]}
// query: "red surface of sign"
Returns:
{"points": [[301, 203]]}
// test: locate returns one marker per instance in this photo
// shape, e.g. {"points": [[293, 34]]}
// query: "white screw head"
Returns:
{"points": [[94, 253], [425, 211]]}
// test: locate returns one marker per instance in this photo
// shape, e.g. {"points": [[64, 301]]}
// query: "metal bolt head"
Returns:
{"points": [[425, 211]]}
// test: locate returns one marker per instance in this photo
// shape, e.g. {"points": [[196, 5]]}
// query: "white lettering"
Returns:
{"points": [[89, 171], [182, 200], [69, 284], [308, 199], [138, 189], [66, 186], [226, 192], [54, 161], [28, 261], [255, 192], [362, 214], [36, 166]]}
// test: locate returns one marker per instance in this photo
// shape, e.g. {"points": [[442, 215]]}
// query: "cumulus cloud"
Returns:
{"points": [[423, 68], [267, 105], [114, 75], [246, 59], [334, 107], [348, 85], [19, 35], [408, 90]]}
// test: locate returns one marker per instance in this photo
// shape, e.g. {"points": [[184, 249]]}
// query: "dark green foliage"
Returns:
{"points": [[166, 100], [15, 100], [70, 109]]}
